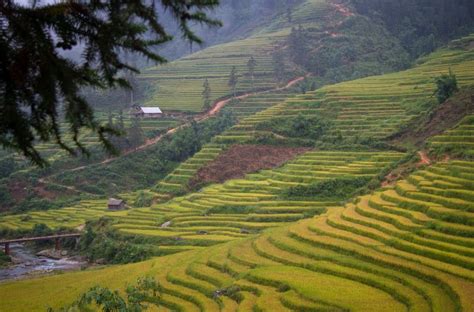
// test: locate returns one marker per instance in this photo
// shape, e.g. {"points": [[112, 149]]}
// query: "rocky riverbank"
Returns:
{"points": [[26, 263]]}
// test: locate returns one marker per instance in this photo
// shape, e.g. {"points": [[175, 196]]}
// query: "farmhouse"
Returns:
{"points": [[116, 204], [147, 112]]}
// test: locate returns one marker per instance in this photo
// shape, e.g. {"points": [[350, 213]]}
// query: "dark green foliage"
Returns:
{"points": [[4, 259], [5, 198], [446, 86], [7, 167], [129, 138], [251, 67], [279, 67], [308, 127], [143, 200], [359, 48], [231, 210], [101, 241], [135, 135], [234, 293], [421, 25], [35, 77], [339, 188], [206, 95], [41, 229], [284, 288], [233, 80], [298, 42]]}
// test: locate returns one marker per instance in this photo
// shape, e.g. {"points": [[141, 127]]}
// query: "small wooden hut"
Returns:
{"points": [[116, 204]]}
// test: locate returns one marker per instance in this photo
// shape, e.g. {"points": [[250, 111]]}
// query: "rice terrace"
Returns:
{"points": [[237, 155]]}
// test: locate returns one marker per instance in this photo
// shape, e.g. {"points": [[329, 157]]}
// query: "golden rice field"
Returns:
{"points": [[459, 139], [404, 248]]}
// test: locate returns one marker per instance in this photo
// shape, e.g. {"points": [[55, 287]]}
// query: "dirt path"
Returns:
{"points": [[216, 108], [342, 9], [70, 188], [424, 159]]}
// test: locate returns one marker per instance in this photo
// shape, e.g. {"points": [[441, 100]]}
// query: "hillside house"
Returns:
{"points": [[116, 204], [147, 112]]}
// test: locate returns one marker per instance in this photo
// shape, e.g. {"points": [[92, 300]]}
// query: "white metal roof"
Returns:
{"points": [[151, 110]]}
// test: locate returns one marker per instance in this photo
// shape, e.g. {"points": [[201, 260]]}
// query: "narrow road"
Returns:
{"points": [[216, 108]]}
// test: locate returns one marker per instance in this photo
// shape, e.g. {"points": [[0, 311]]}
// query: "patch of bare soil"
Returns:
{"points": [[342, 9], [239, 160], [41, 190], [442, 118], [18, 190]]}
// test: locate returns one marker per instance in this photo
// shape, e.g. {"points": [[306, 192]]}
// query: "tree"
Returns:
{"points": [[37, 81], [298, 45], [446, 86], [304, 87], [233, 79], [110, 119], [279, 70], [289, 14], [135, 133], [251, 64], [206, 95]]}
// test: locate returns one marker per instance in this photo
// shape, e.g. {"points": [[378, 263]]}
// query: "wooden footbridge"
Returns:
{"points": [[56, 239]]}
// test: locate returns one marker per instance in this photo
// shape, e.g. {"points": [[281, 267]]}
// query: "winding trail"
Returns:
{"points": [[216, 108], [424, 159]]}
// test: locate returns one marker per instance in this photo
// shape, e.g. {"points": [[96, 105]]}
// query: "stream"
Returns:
{"points": [[27, 263]]}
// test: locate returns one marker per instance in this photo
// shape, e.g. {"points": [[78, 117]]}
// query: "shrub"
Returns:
{"points": [[4, 259], [231, 210], [308, 127], [446, 86], [143, 200], [335, 188], [101, 241]]}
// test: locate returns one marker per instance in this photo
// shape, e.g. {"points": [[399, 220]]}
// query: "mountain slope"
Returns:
{"points": [[331, 25]]}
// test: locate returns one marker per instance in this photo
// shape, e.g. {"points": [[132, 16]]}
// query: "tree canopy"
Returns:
{"points": [[446, 86], [40, 86]]}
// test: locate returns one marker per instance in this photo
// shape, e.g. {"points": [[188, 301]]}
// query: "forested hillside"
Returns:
{"points": [[320, 158]]}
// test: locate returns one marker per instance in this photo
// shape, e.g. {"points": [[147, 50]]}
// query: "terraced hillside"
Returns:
{"points": [[226, 211], [52, 153], [369, 108], [240, 207], [215, 63], [459, 140], [409, 247], [176, 182], [69, 217]]}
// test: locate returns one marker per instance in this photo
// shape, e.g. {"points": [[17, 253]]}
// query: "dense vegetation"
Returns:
{"points": [[421, 25], [331, 189]]}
